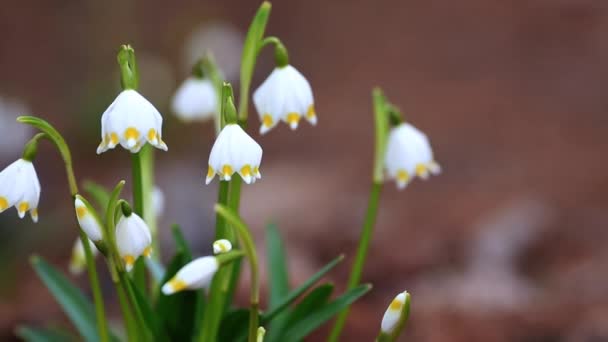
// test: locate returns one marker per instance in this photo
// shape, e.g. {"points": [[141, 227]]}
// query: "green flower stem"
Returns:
{"points": [[139, 197], [57, 139], [102, 324], [214, 308], [146, 156], [225, 280], [31, 147], [210, 69], [130, 324], [52, 134], [142, 164], [381, 127], [253, 44], [281, 57], [119, 276], [129, 76], [249, 246]]}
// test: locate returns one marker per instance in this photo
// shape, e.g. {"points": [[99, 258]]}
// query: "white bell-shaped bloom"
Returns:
{"points": [[195, 99], [133, 239], [196, 274], [222, 246], [87, 220], [131, 121], [393, 313], [235, 151], [19, 187], [409, 154], [78, 261], [284, 96]]}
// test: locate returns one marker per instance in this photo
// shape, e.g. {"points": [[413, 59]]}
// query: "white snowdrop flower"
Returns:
{"points": [[196, 274], [19, 187], [235, 151], [285, 95], [87, 219], [393, 313], [222, 246], [131, 121], [409, 154], [78, 262], [195, 99], [133, 239], [158, 201]]}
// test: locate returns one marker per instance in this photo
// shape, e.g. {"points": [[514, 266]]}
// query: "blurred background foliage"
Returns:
{"points": [[508, 244]]}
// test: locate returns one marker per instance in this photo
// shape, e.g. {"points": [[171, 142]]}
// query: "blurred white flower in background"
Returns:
{"points": [[195, 100], [78, 261], [158, 201], [14, 135], [222, 40]]}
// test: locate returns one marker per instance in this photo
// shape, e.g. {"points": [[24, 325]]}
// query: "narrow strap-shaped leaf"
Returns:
{"points": [[71, 299], [149, 317], [278, 278], [180, 241], [177, 312], [316, 299], [293, 295], [315, 319], [234, 326], [31, 334]]}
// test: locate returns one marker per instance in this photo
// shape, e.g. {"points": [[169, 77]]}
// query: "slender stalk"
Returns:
{"points": [[127, 315], [381, 125], [357, 268], [139, 196], [146, 156], [249, 247], [102, 323], [213, 310], [53, 135]]}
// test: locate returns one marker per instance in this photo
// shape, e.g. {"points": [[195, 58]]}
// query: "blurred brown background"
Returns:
{"points": [[508, 244]]}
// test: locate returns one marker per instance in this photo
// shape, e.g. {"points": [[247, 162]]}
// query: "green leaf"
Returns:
{"points": [[315, 319], [234, 326], [250, 52], [278, 278], [180, 241], [277, 266], [51, 334], [73, 302], [316, 299], [293, 295], [150, 319], [177, 312], [100, 195]]}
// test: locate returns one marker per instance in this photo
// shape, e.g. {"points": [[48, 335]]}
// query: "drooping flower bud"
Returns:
{"points": [[133, 239]]}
